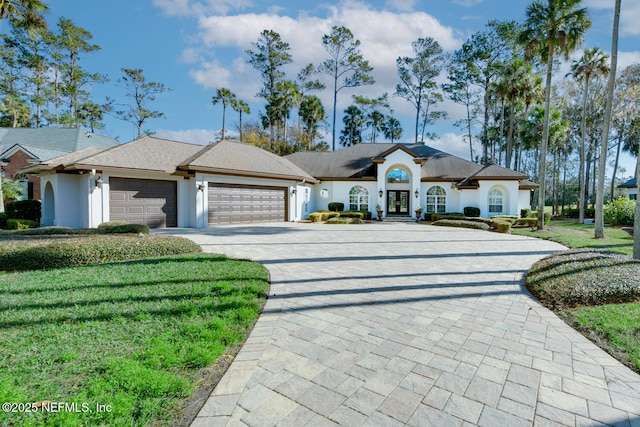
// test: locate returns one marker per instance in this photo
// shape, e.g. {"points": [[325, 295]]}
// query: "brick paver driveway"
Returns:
{"points": [[389, 324]]}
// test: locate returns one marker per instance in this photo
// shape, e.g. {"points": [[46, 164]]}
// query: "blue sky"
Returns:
{"points": [[194, 47]]}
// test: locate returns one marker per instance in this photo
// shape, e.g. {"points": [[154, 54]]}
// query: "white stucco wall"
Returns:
{"points": [[70, 207]]}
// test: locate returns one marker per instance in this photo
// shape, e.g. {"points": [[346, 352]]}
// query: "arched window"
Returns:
{"points": [[398, 176], [436, 200], [359, 198], [496, 201]]}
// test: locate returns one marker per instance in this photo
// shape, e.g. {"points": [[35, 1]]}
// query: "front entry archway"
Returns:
{"points": [[398, 202]]}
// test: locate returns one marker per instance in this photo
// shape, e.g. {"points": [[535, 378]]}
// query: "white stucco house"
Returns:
{"points": [[165, 183], [631, 188]]}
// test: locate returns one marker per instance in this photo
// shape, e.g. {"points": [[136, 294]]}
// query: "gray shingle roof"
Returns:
{"points": [[63, 161], [47, 143], [243, 159], [357, 162], [147, 153], [629, 184]]}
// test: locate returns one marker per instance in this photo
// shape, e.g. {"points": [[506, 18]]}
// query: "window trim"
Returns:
{"points": [[361, 195], [438, 200], [495, 195]]}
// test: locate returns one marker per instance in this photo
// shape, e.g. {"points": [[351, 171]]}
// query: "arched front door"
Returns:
{"points": [[398, 187]]}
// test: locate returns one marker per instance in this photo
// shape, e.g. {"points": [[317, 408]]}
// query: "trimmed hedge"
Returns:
{"points": [[3, 221], [112, 224], [24, 209], [503, 227], [619, 211], [336, 206], [462, 223], [471, 211], [524, 213], [66, 252], [351, 214], [547, 216], [321, 216], [452, 215], [526, 222], [126, 229], [344, 220], [21, 224]]}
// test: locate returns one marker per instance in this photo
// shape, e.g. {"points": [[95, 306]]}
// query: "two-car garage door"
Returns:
{"points": [[143, 201], [232, 204], [154, 203]]}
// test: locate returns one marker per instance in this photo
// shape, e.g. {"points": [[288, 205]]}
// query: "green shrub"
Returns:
{"points": [[524, 213], [24, 209], [126, 228], [336, 206], [367, 215], [503, 227], [471, 211], [462, 223], [452, 215], [351, 214], [21, 224], [74, 251], [3, 221], [575, 213], [547, 216], [527, 222], [112, 224], [322, 216], [584, 277], [619, 211], [344, 220]]}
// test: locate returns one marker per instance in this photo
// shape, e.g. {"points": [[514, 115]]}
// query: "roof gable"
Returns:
{"points": [[230, 157]]}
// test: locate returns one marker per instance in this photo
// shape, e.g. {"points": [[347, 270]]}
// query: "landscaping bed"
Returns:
{"points": [[593, 287]]}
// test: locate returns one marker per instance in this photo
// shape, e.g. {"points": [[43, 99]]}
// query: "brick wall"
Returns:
{"points": [[18, 161]]}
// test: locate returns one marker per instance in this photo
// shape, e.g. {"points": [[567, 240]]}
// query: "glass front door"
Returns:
{"points": [[398, 202]]}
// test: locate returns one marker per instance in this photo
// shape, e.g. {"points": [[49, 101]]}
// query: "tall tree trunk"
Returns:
{"points": [[615, 165], [583, 137], [545, 140], [599, 223], [587, 178], [509, 150], [636, 220]]}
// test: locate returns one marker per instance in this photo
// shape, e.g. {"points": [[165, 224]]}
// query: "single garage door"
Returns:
{"points": [[232, 204], [143, 201]]}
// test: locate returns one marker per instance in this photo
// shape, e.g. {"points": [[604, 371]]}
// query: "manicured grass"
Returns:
{"points": [[133, 335], [573, 235], [614, 327], [596, 290]]}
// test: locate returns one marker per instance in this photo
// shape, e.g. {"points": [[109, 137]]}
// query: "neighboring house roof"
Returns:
{"points": [[358, 162], [235, 158], [629, 184], [64, 161], [47, 143]]}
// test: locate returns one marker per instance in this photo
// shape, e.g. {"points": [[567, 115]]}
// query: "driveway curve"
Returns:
{"points": [[391, 324]]}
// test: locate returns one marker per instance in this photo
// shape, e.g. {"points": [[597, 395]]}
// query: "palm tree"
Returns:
{"points": [[240, 107], [225, 96], [606, 125], [27, 14], [593, 63], [287, 97], [555, 27], [312, 113]]}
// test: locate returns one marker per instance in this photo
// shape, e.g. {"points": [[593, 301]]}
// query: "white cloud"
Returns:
{"points": [[196, 8], [454, 144], [401, 5], [629, 14], [468, 3], [194, 136]]}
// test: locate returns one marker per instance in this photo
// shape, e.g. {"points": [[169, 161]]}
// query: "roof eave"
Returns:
{"points": [[235, 172]]}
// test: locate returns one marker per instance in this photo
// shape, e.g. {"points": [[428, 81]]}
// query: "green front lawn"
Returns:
{"points": [[133, 335], [594, 290], [574, 235]]}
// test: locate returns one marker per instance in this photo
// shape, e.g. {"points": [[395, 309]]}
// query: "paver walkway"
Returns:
{"points": [[390, 324]]}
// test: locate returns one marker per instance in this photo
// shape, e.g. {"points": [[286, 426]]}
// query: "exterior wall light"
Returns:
{"points": [[99, 182], [417, 193], [201, 187], [380, 193]]}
